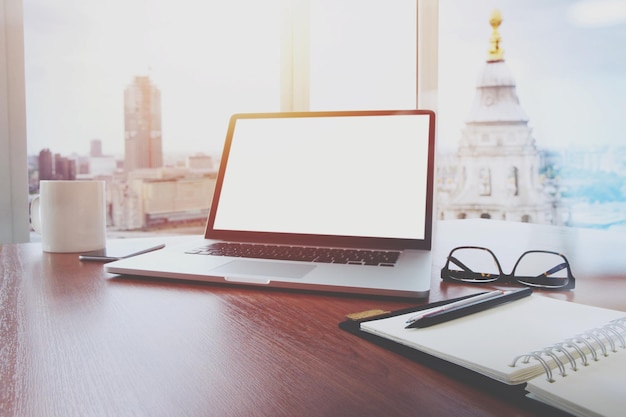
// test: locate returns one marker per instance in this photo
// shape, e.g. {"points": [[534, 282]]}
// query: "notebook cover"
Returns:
{"points": [[513, 394], [516, 392]]}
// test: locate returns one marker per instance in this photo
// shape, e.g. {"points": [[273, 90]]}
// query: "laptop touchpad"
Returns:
{"points": [[263, 269]]}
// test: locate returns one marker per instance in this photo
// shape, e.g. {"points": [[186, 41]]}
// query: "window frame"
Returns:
{"points": [[295, 55], [14, 213]]}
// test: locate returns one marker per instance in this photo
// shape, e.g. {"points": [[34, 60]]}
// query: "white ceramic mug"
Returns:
{"points": [[70, 215]]}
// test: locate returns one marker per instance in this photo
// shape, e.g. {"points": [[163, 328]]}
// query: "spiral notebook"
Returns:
{"points": [[537, 340]]}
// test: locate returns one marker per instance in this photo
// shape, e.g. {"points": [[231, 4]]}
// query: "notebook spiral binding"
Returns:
{"points": [[603, 341]]}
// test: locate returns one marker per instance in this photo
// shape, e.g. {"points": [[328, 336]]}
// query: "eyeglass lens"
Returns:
{"points": [[473, 264], [541, 269]]}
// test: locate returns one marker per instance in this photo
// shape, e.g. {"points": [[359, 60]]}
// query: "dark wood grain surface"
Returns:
{"points": [[76, 341]]}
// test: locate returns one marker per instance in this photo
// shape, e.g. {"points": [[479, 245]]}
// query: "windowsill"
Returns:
{"points": [[128, 234]]}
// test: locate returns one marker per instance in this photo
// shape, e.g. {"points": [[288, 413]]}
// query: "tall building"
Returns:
{"points": [[55, 167], [497, 175], [142, 125], [64, 168], [46, 165], [95, 148]]}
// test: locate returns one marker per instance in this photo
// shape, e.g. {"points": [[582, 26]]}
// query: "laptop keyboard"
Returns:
{"points": [[300, 253]]}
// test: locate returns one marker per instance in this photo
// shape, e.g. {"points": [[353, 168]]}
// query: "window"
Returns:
{"points": [[223, 58], [484, 176], [207, 61], [363, 54], [368, 54], [513, 181]]}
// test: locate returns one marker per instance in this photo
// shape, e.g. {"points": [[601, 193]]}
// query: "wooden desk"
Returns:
{"points": [[76, 341]]}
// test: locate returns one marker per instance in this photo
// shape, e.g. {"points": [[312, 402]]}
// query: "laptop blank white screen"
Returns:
{"points": [[362, 176]]}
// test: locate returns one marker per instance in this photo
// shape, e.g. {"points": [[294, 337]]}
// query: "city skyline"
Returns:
{"points": [[567, 68]]}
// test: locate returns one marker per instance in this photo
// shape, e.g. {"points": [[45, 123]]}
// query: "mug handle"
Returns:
{"points": [[35, 216]]}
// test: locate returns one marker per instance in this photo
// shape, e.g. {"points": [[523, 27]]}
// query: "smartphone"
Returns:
{"points": [[119, 249]]}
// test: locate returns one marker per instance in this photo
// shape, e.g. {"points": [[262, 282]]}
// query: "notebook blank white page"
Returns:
{"points": [[488, 342], [594, 390]]}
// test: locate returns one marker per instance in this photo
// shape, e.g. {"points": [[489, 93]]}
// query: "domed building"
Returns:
{"points": [[497, 160]]}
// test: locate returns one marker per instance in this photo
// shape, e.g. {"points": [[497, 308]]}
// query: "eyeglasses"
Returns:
{"points": [[535, 268]]}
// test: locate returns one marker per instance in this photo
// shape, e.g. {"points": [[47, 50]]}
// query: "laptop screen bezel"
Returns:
{"points": [[325, 240]]}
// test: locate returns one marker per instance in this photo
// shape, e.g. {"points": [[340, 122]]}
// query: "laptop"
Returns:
{"points": [[327, 201]]}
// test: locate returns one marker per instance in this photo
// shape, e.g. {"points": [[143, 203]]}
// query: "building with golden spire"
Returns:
{"points": [[498, 163]]}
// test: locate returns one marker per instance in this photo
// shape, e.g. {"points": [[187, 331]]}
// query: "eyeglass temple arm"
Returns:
{"points": [[553, 270], [459, 263]]}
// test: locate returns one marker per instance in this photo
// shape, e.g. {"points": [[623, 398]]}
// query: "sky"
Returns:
{"points": [[567, 57], [80, 55], [212, 59]]}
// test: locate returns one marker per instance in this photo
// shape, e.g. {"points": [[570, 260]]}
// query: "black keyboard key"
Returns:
{"points": [[301, 253]]}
